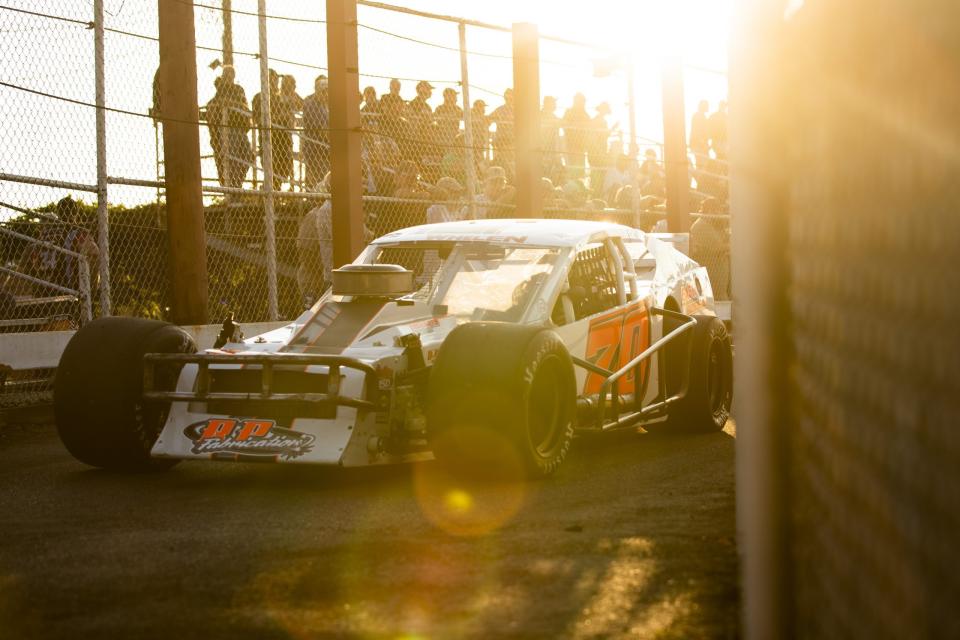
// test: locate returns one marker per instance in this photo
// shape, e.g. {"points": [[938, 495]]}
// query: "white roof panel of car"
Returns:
{"points": [[531, 231]]}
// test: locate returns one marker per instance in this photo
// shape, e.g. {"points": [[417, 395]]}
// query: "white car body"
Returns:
{"points": [[650, 272]]}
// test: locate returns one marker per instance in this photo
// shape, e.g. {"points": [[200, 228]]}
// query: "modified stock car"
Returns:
{"points": [[527, 330]]}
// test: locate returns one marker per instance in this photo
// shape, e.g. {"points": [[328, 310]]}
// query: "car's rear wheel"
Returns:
{"points": [[706, 405], [511, 382], [100, 414]]}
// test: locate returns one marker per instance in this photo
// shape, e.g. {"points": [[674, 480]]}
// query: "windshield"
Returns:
{"points": [[478, 281]]}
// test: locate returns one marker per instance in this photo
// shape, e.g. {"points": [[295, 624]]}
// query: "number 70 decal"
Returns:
{"points": [[615, 339]]}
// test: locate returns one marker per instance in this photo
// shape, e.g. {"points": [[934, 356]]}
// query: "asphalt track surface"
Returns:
{"points": [[634, 537]]}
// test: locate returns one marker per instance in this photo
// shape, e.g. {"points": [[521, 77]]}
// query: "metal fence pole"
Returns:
{"points": [[468, 156], [103, 216], [266, 151], [84, 273]]}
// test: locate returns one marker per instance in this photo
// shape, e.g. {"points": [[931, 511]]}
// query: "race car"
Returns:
{"points": [[527, 330]]}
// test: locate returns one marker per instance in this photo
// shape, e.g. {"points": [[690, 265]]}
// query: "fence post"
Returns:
{"points": [[266, 153], [228, 32], [103, 215], [526, 120], [675, 147], [346, 176], [83, 270], [468, 156], [181, 151]]}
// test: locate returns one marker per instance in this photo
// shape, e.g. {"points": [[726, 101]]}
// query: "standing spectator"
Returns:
{"points": [[315, 140], [576, 124], [700, 132], [597, 148], [480, 128], [257, 104], [393, 99], [235, 137], [550, 139], [370, 111], [503, 139], [214, 117], [448, 116], [420, 117], [284, 119], [718, 131]]}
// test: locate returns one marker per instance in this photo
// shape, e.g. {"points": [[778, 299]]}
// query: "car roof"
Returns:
{"points": [[529, 231]]}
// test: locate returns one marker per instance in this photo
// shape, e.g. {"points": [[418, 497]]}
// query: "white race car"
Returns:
{"points": [[527, 330]]}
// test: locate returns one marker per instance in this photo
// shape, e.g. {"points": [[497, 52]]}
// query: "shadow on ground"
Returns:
{"points": [[634, 537]]}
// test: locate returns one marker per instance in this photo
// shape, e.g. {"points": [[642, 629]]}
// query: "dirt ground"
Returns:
{"points": [[634, 537]]}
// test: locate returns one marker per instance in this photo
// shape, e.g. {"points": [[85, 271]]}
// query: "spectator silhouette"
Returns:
{"points": [[284, 119], [700, 132], [503, 139], [315, 140], [576, 124]]}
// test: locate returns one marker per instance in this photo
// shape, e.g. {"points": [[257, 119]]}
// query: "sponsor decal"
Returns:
{"points": [[247, 436]]}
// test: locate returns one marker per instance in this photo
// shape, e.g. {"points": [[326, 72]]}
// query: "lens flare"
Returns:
{"points": [[472, 497]]}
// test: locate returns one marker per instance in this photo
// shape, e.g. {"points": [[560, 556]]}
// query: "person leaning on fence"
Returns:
{"points": [[710, 246], [315, 248], [228, 119], [315, 140]]}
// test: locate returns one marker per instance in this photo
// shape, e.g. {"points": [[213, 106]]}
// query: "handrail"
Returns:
{"points": [[83, 271]]}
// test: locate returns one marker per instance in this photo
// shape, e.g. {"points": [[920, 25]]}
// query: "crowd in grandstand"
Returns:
{"points": [[413, 152], [408, 146]]}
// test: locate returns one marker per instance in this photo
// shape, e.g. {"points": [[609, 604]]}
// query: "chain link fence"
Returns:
{"points": [[82, 204]]}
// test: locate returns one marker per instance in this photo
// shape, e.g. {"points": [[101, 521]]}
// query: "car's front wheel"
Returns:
{"points": [[101, 416], [513, 382]]}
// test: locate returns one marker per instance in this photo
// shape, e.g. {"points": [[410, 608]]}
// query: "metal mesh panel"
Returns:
{"points": [[422, 163], [873, 243]]}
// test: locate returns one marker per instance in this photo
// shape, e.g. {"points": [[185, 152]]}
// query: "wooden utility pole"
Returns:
{"points": [[181, 152], [228, 32], [675, 147], [526, 120], [346, 177]]}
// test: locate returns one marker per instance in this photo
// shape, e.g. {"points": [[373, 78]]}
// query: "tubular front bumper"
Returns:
{"points": [[266, 362]]}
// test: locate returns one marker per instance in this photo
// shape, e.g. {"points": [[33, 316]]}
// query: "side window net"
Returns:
{"points": [[593, 284]]}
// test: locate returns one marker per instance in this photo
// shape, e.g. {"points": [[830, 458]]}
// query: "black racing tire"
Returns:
{"points": [[515, 382], [100, 414], [706, 406]]}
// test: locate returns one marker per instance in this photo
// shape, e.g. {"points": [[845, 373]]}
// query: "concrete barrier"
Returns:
{"points": [[42, 350]]}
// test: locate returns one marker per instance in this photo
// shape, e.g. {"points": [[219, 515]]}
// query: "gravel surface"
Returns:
{"points": [[634, 537]]}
